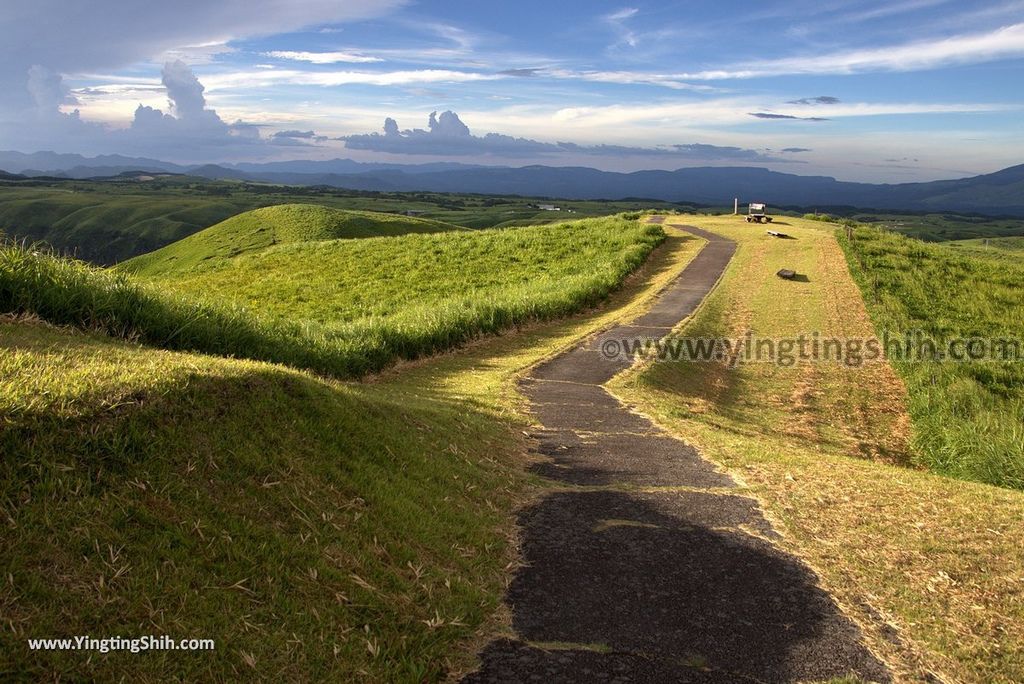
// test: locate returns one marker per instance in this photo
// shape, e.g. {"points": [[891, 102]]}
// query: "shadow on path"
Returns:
{"points": [[673, 584]]}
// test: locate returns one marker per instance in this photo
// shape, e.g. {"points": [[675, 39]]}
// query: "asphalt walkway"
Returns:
{"points": [[640, 564]]}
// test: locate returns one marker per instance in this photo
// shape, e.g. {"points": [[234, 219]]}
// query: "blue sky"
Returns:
{"points": [[878, 91]]}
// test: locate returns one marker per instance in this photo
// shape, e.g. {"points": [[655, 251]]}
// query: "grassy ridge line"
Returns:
{"points": [[967, 416], [417, 282], [105, 224], [280, 224], [65, 292], [317, 531], [417, 475]]}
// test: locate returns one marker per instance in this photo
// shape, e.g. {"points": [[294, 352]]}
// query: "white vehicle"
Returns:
{"points": [[756, 213]]}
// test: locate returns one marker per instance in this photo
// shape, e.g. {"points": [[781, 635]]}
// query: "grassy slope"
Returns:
{"points": [[151, 492], [109, 222], [424, 316], [930, 566], [1013, 243], [967, 416], [1007, 249], [419, 276], [256, 475], [943, 227], [258, 229], [106, 228]]}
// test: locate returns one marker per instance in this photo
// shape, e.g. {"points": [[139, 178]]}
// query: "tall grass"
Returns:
{"points": [[67, 292], [968, 417]]}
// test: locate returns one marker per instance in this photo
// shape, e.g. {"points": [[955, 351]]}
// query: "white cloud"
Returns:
{"points": [[188, 131], [268, 77], [448, 136], [1005, 42], [323, 57], [69, 37], [671, 81]]}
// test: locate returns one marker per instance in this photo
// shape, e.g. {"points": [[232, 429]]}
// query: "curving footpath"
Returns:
{"points": [[639, 564]]}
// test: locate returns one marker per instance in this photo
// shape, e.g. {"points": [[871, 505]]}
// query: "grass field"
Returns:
{"points": [[314, 529], [106, 222], [941, 227], [364, 531], [255, 230], [967, 416], [418, 281], [930, 566], [371, 301]]}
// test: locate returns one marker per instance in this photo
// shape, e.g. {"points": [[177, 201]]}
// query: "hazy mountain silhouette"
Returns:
{"points": [[999, 193]]}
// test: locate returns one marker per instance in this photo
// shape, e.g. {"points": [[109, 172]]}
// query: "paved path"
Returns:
{"points": [[678, 582]]}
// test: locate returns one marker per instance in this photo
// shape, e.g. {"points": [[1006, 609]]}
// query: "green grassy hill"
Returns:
{"points": [[1009, 249], [107, 222], [941, 227], [316, 530], [96, 226], [258, 229], [1013, 243], [967, 415], [422, 281], [342, 307]]}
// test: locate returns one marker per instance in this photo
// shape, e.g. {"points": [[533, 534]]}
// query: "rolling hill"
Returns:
{"points": [[277, 225], [326, 530], [998, 193], [105, 226], [156, 492], [340, 307]]}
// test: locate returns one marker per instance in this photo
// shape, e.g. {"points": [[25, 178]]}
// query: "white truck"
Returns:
{"points": [[756, 213]]}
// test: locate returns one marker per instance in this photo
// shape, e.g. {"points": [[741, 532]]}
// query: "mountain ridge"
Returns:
{"points": [[998, 193]]}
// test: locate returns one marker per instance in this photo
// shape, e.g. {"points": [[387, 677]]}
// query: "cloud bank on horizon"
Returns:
{"points": [[602, 84], [447, 135]]}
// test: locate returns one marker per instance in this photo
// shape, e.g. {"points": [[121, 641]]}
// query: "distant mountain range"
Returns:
{"points": [[999, 193]]}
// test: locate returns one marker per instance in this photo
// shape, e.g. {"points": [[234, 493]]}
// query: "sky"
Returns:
{"points": [[879, 91]]}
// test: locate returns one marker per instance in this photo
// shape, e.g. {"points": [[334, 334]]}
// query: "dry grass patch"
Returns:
{"points": [[932, 568]]}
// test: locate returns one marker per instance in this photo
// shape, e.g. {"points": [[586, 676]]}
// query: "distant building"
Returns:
{"points": [[414, 212], [548, 207]]}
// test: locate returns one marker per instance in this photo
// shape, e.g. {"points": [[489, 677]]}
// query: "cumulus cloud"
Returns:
{"points": [[184, 90], [47, 89], [447, 135], [69, 37], [43, 39], [188, 130]]}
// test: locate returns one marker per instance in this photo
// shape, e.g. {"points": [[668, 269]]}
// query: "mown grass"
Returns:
{"points": [[317, 531], [258, 229], [428, 293], [928, 565], [968, 417]]}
